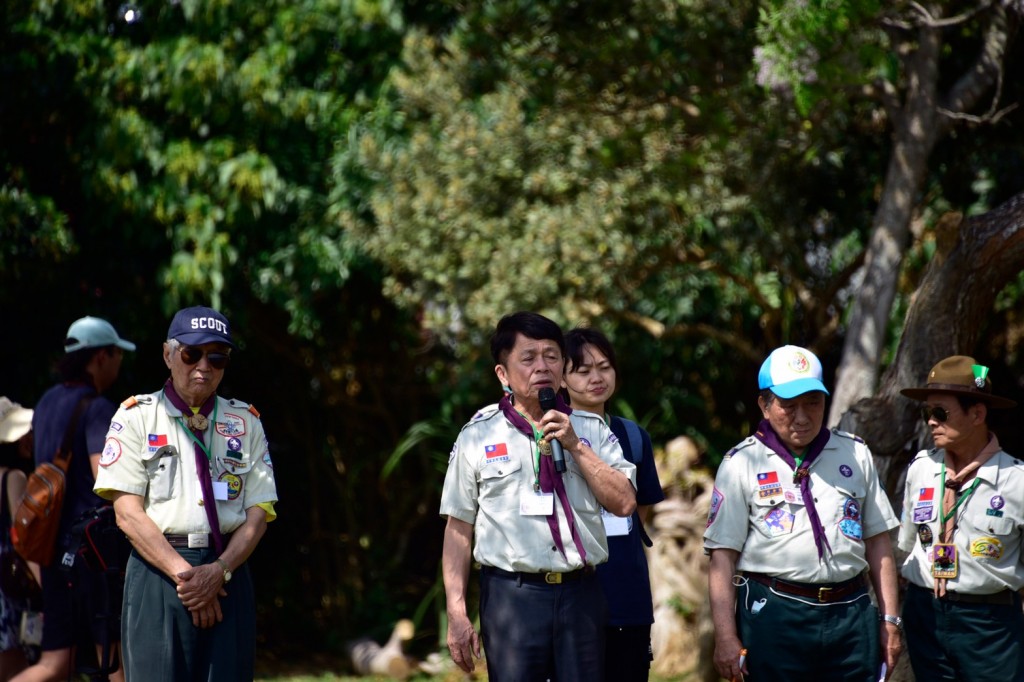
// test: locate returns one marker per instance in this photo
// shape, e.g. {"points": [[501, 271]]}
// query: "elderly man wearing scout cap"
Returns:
{"points": [[798, 519], [963, 513], [193, 486]]}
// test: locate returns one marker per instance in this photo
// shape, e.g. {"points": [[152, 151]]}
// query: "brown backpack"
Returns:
{"points": [[37, 519]]}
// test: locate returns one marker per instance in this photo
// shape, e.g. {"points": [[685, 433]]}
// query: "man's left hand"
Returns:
{"points": [[198, 589], [892, 646]]}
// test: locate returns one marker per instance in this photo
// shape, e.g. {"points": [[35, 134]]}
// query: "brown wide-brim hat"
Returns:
{"points": [[957, 375]]}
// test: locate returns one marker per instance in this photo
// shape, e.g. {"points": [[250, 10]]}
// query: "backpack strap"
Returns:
{"points": [[62, 458], [636, 441], [636, 449]]}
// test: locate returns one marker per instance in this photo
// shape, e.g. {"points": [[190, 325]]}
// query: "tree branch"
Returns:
{"points": [[969, 88]]}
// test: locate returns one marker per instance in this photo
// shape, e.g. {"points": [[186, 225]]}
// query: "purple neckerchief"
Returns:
{"points": [[550, 481], [202, 463], [766, 434]]}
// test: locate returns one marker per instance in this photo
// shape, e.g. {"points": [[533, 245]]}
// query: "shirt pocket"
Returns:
{"points": [[232, 472], [849, 513], [499, 485], [162, 470], [771, 517], [991, 537]]}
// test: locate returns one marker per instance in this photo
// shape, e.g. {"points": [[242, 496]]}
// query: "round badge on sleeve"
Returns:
{"points": [[111, 452]]}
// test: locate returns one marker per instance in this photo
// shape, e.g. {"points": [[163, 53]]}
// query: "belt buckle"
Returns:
{"points": [[823, 594], [553, 578], [198, 540]]}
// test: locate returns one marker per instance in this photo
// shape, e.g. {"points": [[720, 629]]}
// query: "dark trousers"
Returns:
{"points": [[628, 653], [161, 644], [789, 639], [534, 632], [950, 640]]}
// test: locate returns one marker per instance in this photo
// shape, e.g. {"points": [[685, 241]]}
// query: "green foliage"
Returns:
{"points": [[819, 49], [364, 187]]}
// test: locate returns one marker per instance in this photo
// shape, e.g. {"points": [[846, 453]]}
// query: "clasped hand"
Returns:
{"points": [[198, 589]]}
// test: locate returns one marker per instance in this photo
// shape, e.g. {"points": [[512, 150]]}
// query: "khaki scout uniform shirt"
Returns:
{"points": [[491, 468], [149, 452], [755, 511], [990, 524]]}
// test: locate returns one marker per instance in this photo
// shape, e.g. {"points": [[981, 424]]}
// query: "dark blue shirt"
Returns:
{"points": [[625, 577], [50, 421]]}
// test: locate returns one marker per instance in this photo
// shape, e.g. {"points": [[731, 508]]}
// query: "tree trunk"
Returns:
{"points": [[917, 127], [945, 318]]}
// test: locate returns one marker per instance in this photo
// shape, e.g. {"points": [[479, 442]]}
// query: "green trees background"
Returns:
{"points": [[364, 187]]}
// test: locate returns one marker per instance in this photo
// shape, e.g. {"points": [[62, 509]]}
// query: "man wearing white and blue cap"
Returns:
{"points": [[93, 351], [191, 479], [798, 524]]}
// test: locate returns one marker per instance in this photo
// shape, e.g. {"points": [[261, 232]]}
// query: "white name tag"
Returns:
{"points": [[220, 490], [793, 495], [616, 525], [537, 504]]}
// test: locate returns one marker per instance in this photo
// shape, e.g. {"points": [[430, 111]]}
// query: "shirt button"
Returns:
{"points": [[200, 503]]}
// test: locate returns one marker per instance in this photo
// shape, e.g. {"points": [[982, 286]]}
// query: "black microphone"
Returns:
{"points": [[547, 402]]}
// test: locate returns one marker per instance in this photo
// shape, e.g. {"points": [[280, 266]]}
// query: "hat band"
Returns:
{"points": [[958, 387]]}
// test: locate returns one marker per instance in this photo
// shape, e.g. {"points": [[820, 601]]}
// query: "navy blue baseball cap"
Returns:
{"points": [[198, 325]]}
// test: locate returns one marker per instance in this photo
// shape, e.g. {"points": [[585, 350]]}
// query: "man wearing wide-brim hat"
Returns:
{"points": [[963, 515]]}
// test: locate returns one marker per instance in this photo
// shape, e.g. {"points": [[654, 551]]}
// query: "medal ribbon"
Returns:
{"points": [[801, 474], [202, 457], [550, 481]]}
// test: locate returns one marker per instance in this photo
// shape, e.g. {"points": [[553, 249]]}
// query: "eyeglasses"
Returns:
{"points": [[937, 413], [191, 355]]}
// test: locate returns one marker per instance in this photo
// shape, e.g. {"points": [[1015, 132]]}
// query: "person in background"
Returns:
{"points": [[192, 483], [15, 455], [93, 352], [798, 520], [591, 376], [963, 526], [536, 532]]}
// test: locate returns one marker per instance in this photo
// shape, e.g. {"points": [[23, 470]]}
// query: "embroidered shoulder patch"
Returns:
{"points": [[716, 503], [745, 444]]}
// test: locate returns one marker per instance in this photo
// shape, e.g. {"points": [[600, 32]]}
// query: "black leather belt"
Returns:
{"points": [[823, 593], [193, 540], [548, 578], [1003, 598]]}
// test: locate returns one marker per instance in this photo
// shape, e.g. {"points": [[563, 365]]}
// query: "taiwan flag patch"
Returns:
{"points": [[496, 453], [926, 495], [768, 484], [156, 441]]}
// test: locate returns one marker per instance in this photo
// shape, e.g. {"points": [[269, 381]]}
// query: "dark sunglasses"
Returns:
{"points": [[937, 413], [191, 355]]}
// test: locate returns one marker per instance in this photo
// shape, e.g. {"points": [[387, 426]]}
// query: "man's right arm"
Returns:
{"points": [[723, 612], [145, 536], [463, 640]]}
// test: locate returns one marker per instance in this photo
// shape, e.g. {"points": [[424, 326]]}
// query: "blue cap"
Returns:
{"points": [[791, 371], [93, 332], [198, 325]]}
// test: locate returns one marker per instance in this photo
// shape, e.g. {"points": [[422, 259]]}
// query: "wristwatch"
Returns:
{"points": [[227, 574], [895, 620]]}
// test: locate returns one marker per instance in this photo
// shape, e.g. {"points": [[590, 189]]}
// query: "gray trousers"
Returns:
{"points": [[159, 641]]}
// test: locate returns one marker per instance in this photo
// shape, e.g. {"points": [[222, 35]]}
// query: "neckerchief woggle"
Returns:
{"points": [[202, 459], [801, 475], [550, 480]]}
